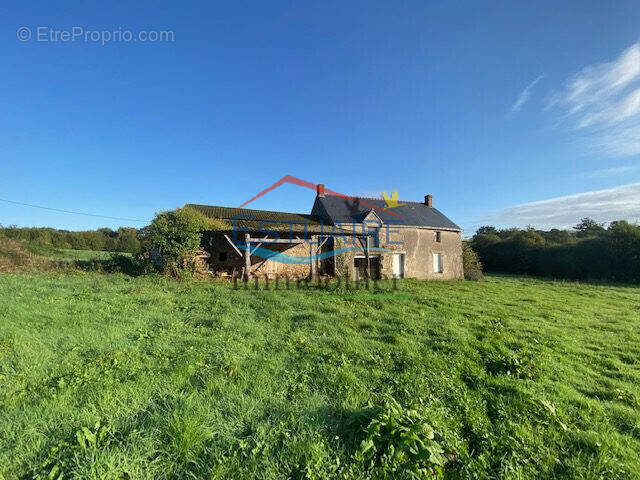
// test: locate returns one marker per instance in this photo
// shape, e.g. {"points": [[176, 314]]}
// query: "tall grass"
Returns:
{"points": [[112, 376]]}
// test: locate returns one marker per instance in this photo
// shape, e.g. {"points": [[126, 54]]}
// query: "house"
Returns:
{"points": [[359, 237]]}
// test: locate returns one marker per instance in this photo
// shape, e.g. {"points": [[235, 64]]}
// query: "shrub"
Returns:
{"points": [[173, 239], [471, 263], [116, 263]]}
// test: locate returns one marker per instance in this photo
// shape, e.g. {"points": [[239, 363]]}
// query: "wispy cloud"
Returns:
{"points": [[619, 203], [611, 171], [524, 96], [602, 101]]}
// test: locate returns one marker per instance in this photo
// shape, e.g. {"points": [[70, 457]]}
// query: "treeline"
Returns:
{"points": [[589, 251], [104, 239]]}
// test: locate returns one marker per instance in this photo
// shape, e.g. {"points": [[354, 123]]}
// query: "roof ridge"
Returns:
{"points": [[374, 198], [246, 209]]}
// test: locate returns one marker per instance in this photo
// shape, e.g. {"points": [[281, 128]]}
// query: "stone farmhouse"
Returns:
{"points": [[355, 236]]}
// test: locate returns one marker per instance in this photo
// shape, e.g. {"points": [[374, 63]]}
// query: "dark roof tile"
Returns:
{"points": [[414, 214]]}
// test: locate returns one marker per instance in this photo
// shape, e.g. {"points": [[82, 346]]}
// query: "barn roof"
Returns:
{"points": [[415, 214], [255, 219]]}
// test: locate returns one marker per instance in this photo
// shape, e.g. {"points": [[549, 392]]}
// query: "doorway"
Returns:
{"points": [[397, 264], [360, 264]]}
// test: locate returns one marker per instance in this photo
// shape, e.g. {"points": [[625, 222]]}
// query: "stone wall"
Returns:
{"points": [[418, 246], [215, 244]]}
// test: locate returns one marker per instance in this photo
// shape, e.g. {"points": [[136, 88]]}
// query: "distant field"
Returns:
{"points": [[72, 255], [109, 376], [22, 256]]}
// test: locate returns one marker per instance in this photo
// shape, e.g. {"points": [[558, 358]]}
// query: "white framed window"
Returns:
{"points": [[437, 263]]}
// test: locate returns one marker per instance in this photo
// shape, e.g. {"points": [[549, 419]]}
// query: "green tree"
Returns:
{"points": [[128, 240], [487, 230], [557, 236], [588, 227]]}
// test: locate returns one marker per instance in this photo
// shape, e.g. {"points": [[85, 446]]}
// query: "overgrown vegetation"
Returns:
{"points": [[589, 252], [112, 376], [15, 256], [172, 241], [399, 443], [471, 263], [22, 256], [122, 240]]}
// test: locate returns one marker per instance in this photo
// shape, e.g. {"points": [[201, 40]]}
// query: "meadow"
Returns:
{"points": [[119, 377]]}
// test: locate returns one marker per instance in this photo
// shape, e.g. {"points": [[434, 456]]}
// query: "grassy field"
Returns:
{"points": [[18, 256], [22, 256], [77, 255], [110, 376]]}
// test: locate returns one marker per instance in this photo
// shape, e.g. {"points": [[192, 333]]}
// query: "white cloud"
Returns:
{"points": [[619, 203], [524, 96], [602, 102], [610, 171]]}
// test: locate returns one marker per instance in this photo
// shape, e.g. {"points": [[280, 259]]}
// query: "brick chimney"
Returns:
{"points": [[428, 200], [320, 189]]}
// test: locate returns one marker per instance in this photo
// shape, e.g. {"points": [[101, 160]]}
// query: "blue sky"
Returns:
{"points": [[509, 114]]}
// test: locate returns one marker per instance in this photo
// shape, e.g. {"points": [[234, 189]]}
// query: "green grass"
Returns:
{"points": [[63, 254], [109, 376], [23, 256]]}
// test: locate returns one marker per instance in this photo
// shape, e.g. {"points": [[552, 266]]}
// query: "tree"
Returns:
{"points": [[128, 240], [529, 237], [487, 230], [557, 236], [589, 228]]}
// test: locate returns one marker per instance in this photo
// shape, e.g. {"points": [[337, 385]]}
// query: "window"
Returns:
{"points": [[437, 263], [222, 256], [438, 237]]}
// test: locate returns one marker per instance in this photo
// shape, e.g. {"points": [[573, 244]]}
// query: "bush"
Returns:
{"points": [[471, 263], [172, 241], [117, 263]]}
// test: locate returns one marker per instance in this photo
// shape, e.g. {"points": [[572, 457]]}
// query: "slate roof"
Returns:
{"points": [[415, 214], [253, 219]]}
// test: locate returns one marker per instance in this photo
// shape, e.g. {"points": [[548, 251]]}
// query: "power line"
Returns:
{"points": [[72, 212]]}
